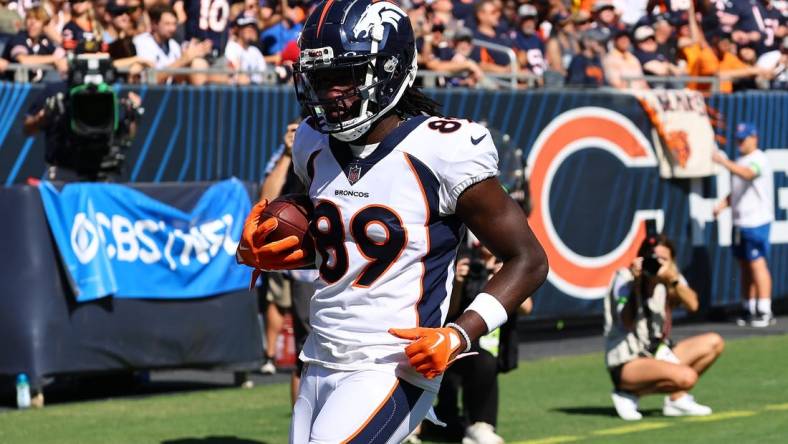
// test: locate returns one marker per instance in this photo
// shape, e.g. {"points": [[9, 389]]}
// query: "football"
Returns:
{"points": [[294, 213]]}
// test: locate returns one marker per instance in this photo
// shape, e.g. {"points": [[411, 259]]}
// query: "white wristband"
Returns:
{"points": [[490, 309]]}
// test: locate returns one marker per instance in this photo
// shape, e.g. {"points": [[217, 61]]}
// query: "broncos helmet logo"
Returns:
{"points": [[370, 25]]}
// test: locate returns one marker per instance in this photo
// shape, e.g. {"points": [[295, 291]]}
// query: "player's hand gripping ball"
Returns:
{"points": [[276, 235]]}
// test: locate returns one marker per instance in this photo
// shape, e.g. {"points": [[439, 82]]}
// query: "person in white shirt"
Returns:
{"points": [[241, 54], [162, 51], [752, 202]]}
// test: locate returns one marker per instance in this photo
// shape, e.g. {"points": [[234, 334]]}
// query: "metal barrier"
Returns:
{"points": [[271, 77], [150, 75], [669, 81], [509, 53], [506, 81]]}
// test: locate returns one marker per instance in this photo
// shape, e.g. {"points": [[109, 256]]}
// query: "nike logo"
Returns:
{"points": [[438, 342], [476, 141], [243, 248]]}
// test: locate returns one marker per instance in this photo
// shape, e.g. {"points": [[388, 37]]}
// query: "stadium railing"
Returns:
{"points": [[676, 82], [429, 78]]}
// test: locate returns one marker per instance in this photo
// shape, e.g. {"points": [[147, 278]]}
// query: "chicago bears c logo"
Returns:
{"points": [[582, 128]]}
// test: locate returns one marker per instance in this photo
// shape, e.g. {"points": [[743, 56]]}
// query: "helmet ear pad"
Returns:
{"points": [[390, 73]]}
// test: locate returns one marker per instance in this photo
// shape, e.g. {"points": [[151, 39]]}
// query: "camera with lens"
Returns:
{"points": [[98, 132], [651, 264]]}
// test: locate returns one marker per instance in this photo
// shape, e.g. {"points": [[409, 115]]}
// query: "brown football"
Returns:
{"points": [[294, 212]]}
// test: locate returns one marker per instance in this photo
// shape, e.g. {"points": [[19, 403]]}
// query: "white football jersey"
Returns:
{"points": [[386, 236]]}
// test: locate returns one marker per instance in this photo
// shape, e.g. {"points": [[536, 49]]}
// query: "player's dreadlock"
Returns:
{"points": [[414, 103]]}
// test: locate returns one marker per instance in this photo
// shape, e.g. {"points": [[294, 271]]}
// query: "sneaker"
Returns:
{"points": [[242, 380], [763, 320], [744, 319], [626, 405], [684, 406], [268, 368], [481, 433]]}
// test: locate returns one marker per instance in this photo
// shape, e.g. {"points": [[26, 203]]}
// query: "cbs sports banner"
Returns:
{"points": [[116, 241]]}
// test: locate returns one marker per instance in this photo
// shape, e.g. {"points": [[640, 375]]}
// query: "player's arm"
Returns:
{"points": [[502, 227]]}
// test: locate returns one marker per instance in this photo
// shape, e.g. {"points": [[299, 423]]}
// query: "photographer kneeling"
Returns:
{"points": [[639, 354]]}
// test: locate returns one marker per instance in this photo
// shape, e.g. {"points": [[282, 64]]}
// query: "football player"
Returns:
{"points": [[394, 184]]}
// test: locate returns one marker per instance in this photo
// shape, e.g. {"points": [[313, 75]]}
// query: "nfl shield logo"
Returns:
{"points": [[354, 174]]}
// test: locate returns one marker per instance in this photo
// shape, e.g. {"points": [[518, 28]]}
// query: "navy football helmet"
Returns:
{"points": [[365, 52]]}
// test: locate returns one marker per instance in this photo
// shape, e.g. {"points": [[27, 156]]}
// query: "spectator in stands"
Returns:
{"points": [[241, 52], [563, 45], [119, 24], [631, 11], [32, 47], [199, 29], [160, 49], [651, 60], [59, 14], [779, 68], [488, 18], [441, 12], [666, 38], [586, 67], [274, 38], [10, 22], [620, 64], [453, 57], [719, 58], [247, 7], [100, 11], [677, 9], [639, 355], [760, 25], [530, 54], [605, 16], [464, 11], [83, 29], [752, 202], [139, 20]]}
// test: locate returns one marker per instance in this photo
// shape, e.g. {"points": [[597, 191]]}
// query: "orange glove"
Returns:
{"points": [[253, 251], [432, 349]]}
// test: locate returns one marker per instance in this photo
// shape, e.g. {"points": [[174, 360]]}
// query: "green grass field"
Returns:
{"points": [[547, 401]]}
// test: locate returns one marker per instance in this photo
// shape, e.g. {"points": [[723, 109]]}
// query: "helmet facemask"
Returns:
{"points": [[370, 85]]}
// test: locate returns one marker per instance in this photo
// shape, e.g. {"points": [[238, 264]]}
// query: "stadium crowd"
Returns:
{"points": [[742, 44]]}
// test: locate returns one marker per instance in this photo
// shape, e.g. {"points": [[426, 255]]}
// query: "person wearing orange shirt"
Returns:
{"points": [[719, 59]]}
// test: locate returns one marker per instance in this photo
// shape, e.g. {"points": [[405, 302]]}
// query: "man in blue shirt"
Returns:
{"points": [[206, 20], [488, 16], [530, 46], [653, 62], [586, 67]]}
